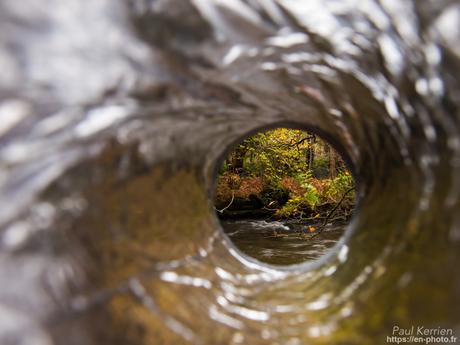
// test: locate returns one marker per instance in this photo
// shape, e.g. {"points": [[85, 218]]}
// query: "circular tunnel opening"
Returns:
{"points": [[284, 196]]}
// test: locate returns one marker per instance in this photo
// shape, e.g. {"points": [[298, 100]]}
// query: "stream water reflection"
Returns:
{"points": [[281, 243]]}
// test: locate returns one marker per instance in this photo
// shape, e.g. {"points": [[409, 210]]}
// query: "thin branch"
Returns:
{"points": [[320, 230], [231, 201]]}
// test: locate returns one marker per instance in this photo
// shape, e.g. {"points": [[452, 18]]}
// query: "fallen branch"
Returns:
{"points": [[231, 201], [321, 228]]}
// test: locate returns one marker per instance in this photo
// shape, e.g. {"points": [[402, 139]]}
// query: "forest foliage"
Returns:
{"points": [[291, 173]]}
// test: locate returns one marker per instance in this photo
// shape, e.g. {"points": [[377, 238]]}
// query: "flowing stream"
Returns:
{"points": [[115, 114], [281, 242]]}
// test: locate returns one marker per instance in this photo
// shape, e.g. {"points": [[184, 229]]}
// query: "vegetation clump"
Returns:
{"points": [[284, 173]]}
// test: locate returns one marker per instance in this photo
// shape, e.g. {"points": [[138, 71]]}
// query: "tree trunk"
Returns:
{"points": [[238, 159], [332, 162], [310, 154]]}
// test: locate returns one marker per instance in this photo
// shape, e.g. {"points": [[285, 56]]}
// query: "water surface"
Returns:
{"points": [[281, 243]]}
